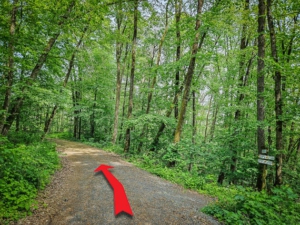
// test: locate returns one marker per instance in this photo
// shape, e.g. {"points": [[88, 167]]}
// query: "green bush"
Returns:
{"points": [[258, 208], [22, 137], [62, 135], [24, 169]]}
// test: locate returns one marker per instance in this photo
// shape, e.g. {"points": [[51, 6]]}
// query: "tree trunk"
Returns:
{"points": [[125, 93], [130, 105], [189, 76], [92, 118], [207, 116], [213, 125], [262, 168], [178, 8], [194, 117], [119, 47], [243, 77], [278, 98]]}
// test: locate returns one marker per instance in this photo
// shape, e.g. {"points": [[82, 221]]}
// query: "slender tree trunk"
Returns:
{"points": [[221, 176], [119, 47], [178, 8], [213, 125], [130, 105], [125, 92], [189, 76], [194, 128], [194, 117], [10, 74], [262, 168], [243, 77], [75, 122], [92, 118], [76, 97], [207, 116], [278, 98], [118, 94], [79, 127]]}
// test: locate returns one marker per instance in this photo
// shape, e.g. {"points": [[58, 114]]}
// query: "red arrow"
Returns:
{"points": [[121, 201]]}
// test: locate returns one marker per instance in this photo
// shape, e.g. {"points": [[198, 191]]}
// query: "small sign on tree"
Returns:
{"points": [[267, 162], [264, 159]]}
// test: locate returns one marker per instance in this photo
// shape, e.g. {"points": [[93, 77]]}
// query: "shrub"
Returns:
{"points": [[251, 207], [24, 169]]}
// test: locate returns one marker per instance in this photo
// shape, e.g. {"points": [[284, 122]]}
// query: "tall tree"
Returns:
{"points": [[119, 47], [178, 8], [262, 168], [189, 75], [244, 71], [133, 56]]}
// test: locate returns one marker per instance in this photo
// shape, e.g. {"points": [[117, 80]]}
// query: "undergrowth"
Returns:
{"points": [[24, 169]]}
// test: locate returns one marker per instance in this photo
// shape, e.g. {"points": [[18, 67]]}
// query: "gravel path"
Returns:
{"points": [[77, 195]]}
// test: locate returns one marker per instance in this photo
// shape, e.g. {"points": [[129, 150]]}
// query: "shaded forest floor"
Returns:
{"points": [[77, 195]]}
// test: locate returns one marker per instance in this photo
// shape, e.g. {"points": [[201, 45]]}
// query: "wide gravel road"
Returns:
{"points": [[77, 195]]}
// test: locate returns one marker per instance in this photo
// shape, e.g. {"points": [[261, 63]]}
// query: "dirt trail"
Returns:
{"points": [[79, 196]]}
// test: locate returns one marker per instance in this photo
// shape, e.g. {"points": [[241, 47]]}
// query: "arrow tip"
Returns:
{"points": [[103, 167], [125, 210]]}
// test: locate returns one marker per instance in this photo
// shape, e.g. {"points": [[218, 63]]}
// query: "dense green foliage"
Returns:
{"points": [[242, 206], [24, 170]]}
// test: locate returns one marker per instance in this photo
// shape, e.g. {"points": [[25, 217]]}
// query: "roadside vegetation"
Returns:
{"points": [[26, 165]]}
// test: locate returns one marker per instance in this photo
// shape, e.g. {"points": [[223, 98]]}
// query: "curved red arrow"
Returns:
{"points": [[121, 201]]}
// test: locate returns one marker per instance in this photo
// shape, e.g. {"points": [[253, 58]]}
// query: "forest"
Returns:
{"points": [[205, 93]]}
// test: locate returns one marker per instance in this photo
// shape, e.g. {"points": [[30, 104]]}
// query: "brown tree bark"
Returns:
{"points": [[133, 52], [278, 98], [189, 76], [178, 7], [262, 168]]}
